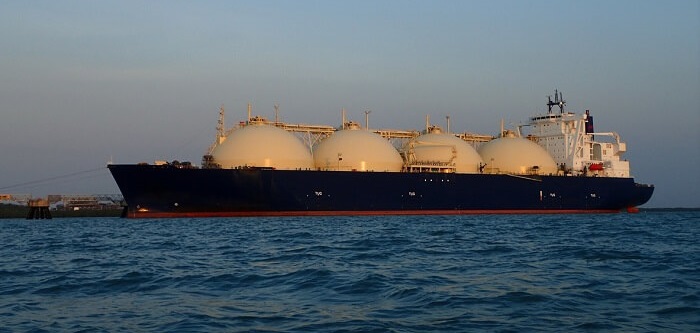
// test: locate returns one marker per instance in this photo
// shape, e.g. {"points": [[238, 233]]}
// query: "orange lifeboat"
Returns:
{"points": [[596, 167]]}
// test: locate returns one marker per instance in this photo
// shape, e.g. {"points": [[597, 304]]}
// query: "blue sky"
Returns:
{"points": [[84, 82]]}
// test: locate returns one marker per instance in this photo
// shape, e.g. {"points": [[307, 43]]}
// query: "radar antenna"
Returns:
{"points": [[562, 102]]}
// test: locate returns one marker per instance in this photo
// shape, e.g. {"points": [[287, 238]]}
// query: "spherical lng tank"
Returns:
{"points": [[445, 148], [259, 145], [510, 154], [354, 149]]}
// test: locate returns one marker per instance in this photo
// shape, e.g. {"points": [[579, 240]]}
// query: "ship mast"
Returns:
{"points": [[277, 114], [558, 101], [220, 126], [367, 112], [342, 111], [207, 160]]}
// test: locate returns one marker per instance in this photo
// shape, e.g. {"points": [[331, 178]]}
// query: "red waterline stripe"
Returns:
{"points": [[366, 213]]}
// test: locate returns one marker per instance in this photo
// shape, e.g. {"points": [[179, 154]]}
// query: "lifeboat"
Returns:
{"points": [[596, 167]]}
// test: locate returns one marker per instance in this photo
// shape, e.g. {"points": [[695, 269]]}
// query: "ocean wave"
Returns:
{"points": [[512, 273]]}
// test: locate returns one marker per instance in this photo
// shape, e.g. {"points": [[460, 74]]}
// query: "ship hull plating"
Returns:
{"points": [[165, 191]]}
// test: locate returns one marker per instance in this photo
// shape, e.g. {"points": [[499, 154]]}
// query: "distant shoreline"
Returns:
{"points": [[676, 209], [15, 211]]}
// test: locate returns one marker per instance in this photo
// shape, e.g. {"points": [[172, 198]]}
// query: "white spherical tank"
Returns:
{"points": [[259, 145], [443, 148], [511, 154], [356, 150]]}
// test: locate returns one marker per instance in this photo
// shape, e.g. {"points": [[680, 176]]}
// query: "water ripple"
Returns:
{"points": [[512, 273]]}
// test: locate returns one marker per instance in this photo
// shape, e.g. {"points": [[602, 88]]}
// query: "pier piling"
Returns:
{"points": [[38, 209]]}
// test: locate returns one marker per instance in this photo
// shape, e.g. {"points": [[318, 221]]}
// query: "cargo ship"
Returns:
{"points": [[555, 163]]}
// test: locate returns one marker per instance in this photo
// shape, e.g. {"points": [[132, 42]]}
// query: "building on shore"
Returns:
{"points": [[85, 202], [71, 202]]}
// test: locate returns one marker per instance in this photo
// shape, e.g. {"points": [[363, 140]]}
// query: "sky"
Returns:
{"points": [[83, 83]]}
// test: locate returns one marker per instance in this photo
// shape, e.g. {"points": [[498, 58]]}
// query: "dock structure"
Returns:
{"points": [[38, 209]]}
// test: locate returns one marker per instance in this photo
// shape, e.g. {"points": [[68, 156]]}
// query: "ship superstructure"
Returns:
{"points": [[570, 139]]}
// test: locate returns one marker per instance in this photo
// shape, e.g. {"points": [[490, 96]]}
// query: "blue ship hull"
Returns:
{"points": [[167, 191]]}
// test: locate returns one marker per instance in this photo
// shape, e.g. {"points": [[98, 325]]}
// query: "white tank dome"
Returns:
{"points": [[359, 150], [517, 155], [259, 145], [441, 147]]}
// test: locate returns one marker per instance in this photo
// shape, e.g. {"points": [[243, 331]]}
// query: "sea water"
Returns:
{"points": [[508, 273]]}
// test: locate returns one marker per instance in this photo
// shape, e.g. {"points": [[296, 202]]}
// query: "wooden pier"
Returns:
{"points": [[38, 209]]}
